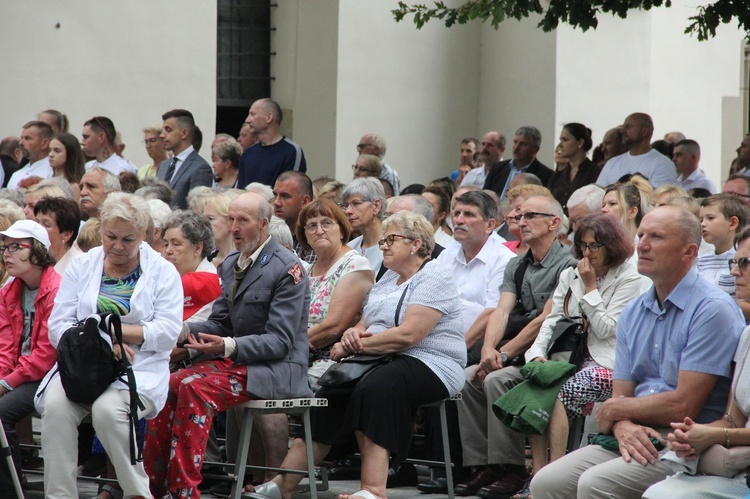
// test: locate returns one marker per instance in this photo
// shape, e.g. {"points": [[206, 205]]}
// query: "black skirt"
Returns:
{"points": [[382, 406]]}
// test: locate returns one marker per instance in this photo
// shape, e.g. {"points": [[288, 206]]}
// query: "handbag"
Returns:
{"points": [[569, 335], [349, 371], [87, 367]]}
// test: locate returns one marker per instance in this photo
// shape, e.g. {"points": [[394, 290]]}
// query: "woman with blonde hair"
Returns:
{"points": [[37, 192], [216, 210]]}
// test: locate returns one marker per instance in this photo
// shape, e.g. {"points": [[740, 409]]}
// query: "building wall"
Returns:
{"points": [[130, 61]]}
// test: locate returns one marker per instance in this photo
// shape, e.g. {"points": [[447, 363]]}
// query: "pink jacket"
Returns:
{"points": [[14, 369]]}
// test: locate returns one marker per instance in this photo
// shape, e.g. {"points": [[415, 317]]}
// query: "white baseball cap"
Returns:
{"points": [[28, 228]]}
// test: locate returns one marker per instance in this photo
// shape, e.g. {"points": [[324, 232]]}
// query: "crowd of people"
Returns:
{"points": [[242, 278]]}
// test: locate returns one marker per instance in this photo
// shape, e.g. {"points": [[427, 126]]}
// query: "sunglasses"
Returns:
{"points": [[741, 263]]}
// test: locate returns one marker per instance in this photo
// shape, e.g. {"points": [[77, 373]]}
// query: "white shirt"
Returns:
{"points": [[475, 176], [696, 180], [39, 168], [442, 238], [480, 279], [653, 165], [181, 160], [114, 164]]}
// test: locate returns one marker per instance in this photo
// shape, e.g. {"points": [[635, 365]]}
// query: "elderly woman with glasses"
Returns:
{"points": [[363, 201], [598, 288], [413, 314], [125, 277], [25, 305], [339, 280]]}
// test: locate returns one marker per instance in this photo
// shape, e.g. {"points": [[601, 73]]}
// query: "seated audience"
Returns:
{"points": [[429, 352], [225, 162], [363, 201], [367, 165], [624, 203], [515, 198], [67, 161], [125, 277], [441, 205], [722, 217], [25, 351], [575, 142], [339, 280], [216, 210], [597, 289], [699, 445], [675, 344], [90, 235], [36, 192], [61, 218]]}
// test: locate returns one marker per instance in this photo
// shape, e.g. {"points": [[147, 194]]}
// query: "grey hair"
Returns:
{"points": [[379, 142], [531, 132], [261, 189], [224, 149], [369, 188], [159, 210], [564, 226], [487, 206], [110, 182], [278, 228], [265, 210], [196, 198], [414, 226], [156, 188], [11, 210], [527, 178], [553, 206], [13, 195], [689, 225], [126, 207], [591, 195], [422, 205], [195, 227]]}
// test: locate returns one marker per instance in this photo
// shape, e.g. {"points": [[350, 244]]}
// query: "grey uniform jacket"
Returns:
{"points": [[193, 173], [268, 319]]}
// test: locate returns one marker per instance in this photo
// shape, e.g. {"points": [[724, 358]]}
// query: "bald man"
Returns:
{"points": [[637, 131], [273, 154]]}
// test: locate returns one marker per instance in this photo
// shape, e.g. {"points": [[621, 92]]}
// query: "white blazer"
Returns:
{"points": [[601, 306], [156, 304]]}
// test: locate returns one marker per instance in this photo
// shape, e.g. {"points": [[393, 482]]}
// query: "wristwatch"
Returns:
{"points": [[504, 357]]}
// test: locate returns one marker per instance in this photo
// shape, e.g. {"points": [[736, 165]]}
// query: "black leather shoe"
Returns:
{"points": [[436, 486], [406, 476], [481, 478], [504, 488]]}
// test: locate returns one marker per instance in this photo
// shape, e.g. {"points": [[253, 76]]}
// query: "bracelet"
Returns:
{"points": [[726, 438]]}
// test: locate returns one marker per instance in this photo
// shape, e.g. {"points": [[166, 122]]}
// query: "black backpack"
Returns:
{"points": [[87, 367]]}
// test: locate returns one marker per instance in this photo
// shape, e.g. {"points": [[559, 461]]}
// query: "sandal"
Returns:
{"points": [[364, 494]]}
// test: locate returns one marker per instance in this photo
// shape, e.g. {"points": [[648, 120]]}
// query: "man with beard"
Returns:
{"points": [[641, 158], [491, 153]]}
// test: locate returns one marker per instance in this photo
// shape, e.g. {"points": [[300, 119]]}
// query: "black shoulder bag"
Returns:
{"points": [[349, 371], [87, 367], [569, 335]]}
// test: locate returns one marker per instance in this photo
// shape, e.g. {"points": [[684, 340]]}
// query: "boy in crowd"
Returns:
{"points": [[722, 216]]}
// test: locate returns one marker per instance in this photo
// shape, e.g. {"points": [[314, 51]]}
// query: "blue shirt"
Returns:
{"points": [[265, 163], [697, 330], [512, 172]]}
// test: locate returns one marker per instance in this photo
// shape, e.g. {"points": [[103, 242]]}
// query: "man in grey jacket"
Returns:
{"points": [[258, 332]]}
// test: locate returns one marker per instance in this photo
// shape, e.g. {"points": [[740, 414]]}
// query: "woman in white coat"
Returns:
{"points": [[599, 287], [124, 276]]}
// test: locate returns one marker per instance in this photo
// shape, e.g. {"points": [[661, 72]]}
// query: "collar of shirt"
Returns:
{"points": [[488, 252], [551, 254], [678, 297]]}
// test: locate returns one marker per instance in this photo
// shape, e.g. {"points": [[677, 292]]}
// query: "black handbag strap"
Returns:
{"points": [[113, 323], [403, 295], [518, 276]]}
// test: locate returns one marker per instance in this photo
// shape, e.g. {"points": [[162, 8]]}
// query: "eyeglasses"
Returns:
{"points": [[362, 146], [358, 168], [391, 238], [738, 194], [354, 203], [152, 140], [13, 247], [742, 263], [313, 227], [531, 215], [593, 247]]}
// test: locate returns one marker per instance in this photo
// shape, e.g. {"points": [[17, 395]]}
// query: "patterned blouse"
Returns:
{"points": [[322, 287], [114, 294]]}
